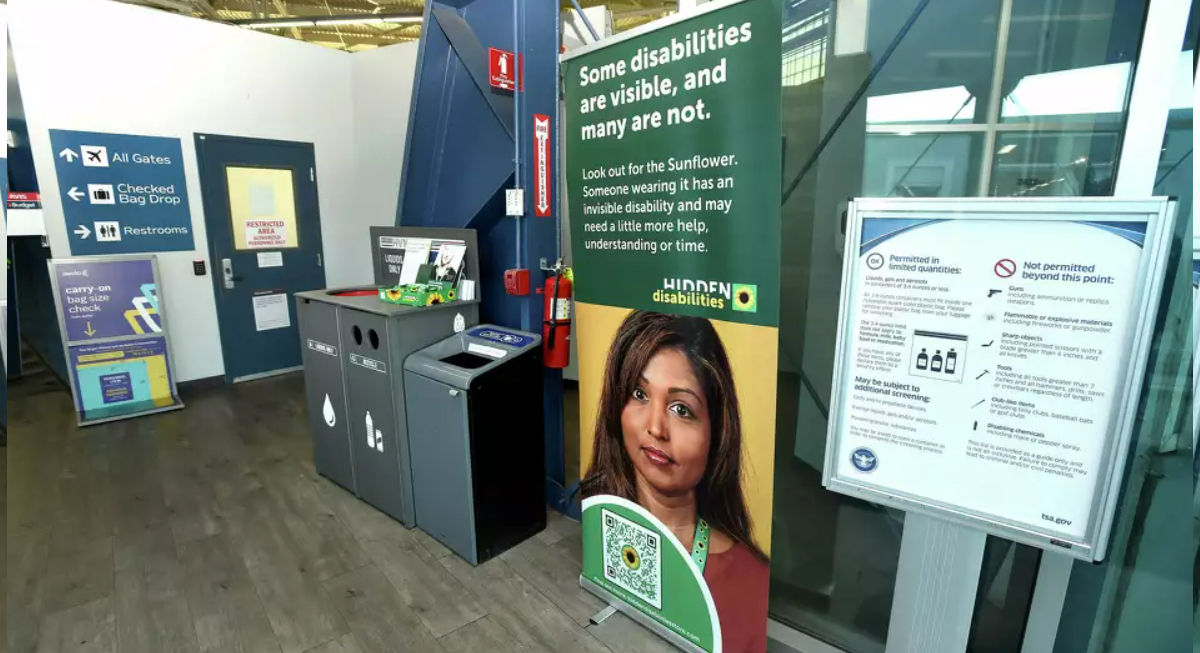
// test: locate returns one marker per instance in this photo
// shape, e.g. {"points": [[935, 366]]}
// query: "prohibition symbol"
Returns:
{"points": [[1005, 268]]}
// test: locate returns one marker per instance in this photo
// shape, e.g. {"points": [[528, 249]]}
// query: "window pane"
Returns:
{"points": [[1070, 61], [921, 165], [941, 71], [834, 559], [1055, 164], [1143, 596], [262, 207]]}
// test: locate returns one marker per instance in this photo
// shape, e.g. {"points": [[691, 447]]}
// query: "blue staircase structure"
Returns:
{"points": [[461, 157]]}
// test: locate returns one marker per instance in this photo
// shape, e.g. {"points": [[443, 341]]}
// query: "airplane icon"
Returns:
{"points": [[94, 156]]}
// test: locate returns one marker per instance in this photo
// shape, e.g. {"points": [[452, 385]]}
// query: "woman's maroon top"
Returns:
{"points": [[739, 583]]}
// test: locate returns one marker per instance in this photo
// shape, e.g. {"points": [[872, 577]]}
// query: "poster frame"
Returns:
{"points": [[1158, 214], [67, 344], [612, 600]]}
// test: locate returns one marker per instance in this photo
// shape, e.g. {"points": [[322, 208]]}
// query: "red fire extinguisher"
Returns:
{"points": [[556, 328]]}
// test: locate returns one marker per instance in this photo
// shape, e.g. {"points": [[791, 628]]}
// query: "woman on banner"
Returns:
{"points": [[668, 437]]}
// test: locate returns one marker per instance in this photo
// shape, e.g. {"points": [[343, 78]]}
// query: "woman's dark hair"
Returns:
{"points": [[643, 334]]}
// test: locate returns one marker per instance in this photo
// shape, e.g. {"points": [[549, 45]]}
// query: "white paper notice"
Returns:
{"points": [[416, 254], [271, 312], [262, 199], [982, 363], [270, 259], [266, 234]]}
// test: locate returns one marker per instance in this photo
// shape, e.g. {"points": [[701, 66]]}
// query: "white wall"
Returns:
{"points": [[382, 83], [110, 67]]}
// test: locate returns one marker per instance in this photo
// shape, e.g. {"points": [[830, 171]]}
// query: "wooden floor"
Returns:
{"points": [[207, 529]]}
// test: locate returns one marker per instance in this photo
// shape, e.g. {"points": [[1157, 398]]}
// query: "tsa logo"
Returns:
{"points": [[864, 460]]}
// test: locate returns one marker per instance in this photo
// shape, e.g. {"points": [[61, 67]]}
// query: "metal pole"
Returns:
{"points": [[517, 121], [995, 99], [586, 23]]}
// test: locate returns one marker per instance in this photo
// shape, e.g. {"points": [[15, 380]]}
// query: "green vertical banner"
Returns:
{"points": [[673, 166]]}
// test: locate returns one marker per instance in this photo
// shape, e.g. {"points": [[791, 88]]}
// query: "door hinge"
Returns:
{"points": [[319, 261], [312, 174]]}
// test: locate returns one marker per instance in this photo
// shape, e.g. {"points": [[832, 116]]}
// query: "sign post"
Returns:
{"points": [[115, 337], [121, 193], [990, 354]]}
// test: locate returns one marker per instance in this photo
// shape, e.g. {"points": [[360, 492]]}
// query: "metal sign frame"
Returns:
{"points": [[1195, 345], [67, 344], [1158, 214]]}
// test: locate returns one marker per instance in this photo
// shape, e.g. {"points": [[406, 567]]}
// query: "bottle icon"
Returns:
{"points": [[935, 365], [922, 360], [951, 361]]}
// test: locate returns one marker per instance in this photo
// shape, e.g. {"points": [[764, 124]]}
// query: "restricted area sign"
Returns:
{"points": [[503, 70], [541, 165], [266, 234], [990, 358]]}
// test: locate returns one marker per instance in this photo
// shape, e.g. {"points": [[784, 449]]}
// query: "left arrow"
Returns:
{"points": [[68, 154], [83, 232], [75, 193]]}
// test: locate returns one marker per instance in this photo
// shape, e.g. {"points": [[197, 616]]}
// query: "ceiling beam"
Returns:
{"points": [[282, 9], [178, 6]]}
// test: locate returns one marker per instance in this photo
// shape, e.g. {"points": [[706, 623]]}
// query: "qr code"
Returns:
{"points": [[633, 558]]}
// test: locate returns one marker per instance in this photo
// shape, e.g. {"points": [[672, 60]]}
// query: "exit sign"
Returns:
{"points": [[504, 71]]}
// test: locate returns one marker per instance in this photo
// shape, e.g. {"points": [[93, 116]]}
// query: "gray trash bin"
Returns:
{"points": [[475, 436], [354, 351]]}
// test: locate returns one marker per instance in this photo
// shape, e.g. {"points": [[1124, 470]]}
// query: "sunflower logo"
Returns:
{"points": [[745, 298], [630, 557]]}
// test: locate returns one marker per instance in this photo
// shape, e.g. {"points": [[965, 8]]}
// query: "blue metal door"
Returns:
{"points": [[264, 243]]}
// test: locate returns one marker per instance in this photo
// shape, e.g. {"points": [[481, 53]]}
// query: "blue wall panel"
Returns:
{"points": [[35, 297], [460, 159]]}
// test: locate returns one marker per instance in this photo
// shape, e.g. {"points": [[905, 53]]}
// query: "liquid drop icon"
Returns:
{"points": [[327, 411]]}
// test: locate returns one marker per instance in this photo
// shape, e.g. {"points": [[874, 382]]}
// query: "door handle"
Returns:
{"points": [[227, 273]]}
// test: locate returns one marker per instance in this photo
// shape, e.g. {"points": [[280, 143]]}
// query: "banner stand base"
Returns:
{"points": [[616, 604], [81, 422], [601, 616]]}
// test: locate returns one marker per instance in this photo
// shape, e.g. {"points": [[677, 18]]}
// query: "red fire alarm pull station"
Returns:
{"points": [[516, 282]]}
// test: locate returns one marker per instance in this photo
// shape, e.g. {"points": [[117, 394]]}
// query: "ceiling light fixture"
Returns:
{"points": [[330, 20], [368, 20], [1007, 148], [272, 24]]}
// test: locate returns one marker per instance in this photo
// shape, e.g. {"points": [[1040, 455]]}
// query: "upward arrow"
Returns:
{"points": [[68, 154]]}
